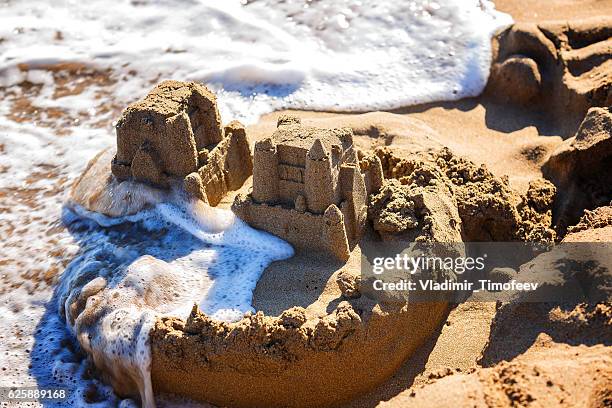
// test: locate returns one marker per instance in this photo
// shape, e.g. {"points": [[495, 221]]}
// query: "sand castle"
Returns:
{"points": [[176, 132], [307, 188], [558, 66]]}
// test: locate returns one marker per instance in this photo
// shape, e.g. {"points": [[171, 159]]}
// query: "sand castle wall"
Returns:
{"points": [[269, 361], [303, 230], [228, 166]]}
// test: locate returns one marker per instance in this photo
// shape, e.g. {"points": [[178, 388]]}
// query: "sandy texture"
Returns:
{"points": [[415, 213], [340, 330], [408, 199], [321, 321], [599, 218], [580, 168], [488, 208], [512, 141], [531, 11], [559, 376]]}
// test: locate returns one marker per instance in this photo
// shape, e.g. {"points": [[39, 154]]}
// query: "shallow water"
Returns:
{"points": [[67, 68], [264, 55]]}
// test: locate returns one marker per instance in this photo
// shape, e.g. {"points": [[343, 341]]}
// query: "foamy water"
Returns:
{"points": [[68, 67], [159, 261], [269, 54]]}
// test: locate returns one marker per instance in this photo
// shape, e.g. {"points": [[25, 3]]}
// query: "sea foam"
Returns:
{"points": [[157, 262], [263, 55]]}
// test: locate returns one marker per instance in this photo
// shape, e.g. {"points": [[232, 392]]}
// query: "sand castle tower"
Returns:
{"points": [[175, 133], [307, 188], [265, 170], [318, 179]]}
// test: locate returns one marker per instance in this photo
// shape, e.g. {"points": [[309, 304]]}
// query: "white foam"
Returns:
{"points": [[338, 55], [168, 257]]}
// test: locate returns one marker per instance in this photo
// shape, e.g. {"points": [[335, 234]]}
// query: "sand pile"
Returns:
{"points": [[601, 217], [480, 206]]}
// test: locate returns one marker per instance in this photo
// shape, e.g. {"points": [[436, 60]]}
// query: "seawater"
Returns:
{"points": [[159, 261], [264, 55]]}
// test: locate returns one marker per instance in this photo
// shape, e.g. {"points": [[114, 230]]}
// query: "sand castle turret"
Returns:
{"points": [[334, 232], [175, 132], [354, 204], [371, 167], [318, 179], [265, 172], [307, 188]]}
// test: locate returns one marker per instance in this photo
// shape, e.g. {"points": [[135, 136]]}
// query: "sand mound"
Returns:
{"points": [[561, 66], [581, 168], [557, 376], [487, 208], [415, 213]]}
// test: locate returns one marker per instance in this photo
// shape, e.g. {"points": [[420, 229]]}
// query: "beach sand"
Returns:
{"points": [[456, 354]]}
